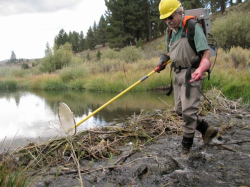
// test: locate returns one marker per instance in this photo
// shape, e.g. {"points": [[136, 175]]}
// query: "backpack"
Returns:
{"points": [[192, 17]]}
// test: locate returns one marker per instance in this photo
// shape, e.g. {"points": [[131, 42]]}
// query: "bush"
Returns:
{"points": [[98, 55], [88, 57], [61, 57], [232, 30], [72, 73], [111, 54], [139, 44], [25, 66], [131, 54], [239, 56]]}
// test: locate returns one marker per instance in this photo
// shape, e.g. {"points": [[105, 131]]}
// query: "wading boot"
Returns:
{"points": [[208, 132], [186, 146]]}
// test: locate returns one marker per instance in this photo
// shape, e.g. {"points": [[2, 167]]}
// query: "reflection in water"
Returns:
{"points": [[27, 116]]}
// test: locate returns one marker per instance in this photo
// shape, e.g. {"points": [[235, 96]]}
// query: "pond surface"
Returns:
{"points": [[33, 116]]}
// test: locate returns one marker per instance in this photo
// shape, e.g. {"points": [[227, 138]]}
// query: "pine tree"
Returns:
{"points": [[95, 34], [90, 39], [98, 55], [48, 49], [61, 39], [73, 39], [81, 42], [101, 31], [13, 57]]}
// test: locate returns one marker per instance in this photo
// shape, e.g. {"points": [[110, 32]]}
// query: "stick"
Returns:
{"points": [[243, 141]]}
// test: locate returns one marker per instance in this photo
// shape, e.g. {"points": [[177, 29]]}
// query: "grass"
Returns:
{"points": [[230, 74], [12, 175]]}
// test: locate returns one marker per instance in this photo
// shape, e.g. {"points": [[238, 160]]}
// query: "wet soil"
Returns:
{"points": [[225, 162]]}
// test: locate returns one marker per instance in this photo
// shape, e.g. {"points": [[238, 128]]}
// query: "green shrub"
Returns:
{"points": [[239, 56], [53, 84], [139, 43], [47, 64], [98, 55], [232, 30], [73, 72], [110, 54], [106, 66], [131, 54], [61, 57], [25, 66], [88, 57]]}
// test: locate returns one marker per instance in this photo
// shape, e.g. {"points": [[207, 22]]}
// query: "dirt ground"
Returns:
{"points": [[225, 162]]}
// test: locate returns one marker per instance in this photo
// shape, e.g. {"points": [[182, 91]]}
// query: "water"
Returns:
{"points": [[33, 116]]}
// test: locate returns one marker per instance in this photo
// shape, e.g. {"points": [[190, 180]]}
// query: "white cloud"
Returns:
{"points": [[28, 29], [11, 7]]}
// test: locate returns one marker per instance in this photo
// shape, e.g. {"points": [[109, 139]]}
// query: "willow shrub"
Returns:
{"points": [[57, 60], [232, 30], [70, 73], [128, 54], [131, 54], [110, 54], [53, 84]]}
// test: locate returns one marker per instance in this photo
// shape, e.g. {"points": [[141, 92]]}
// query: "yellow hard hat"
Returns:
{"points": [[167, 7]]}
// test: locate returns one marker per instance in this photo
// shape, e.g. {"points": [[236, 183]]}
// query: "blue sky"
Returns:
{"points": [[27, 25]]}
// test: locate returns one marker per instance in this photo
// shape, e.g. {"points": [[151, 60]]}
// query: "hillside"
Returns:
{"points": [[156, 46]]}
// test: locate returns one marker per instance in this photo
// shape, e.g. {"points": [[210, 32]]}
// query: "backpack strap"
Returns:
{"points": [[190, 34]]}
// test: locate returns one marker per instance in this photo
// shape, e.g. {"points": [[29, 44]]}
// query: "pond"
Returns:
{"points": [[33, 116]]}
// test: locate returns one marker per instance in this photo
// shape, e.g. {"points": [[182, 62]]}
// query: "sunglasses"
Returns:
{"points": [[170, 18]]}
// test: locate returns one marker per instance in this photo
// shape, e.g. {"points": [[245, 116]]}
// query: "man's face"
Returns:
{"points": [[173, 21]]}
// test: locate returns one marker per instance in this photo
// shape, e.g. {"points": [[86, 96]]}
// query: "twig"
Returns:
{"points": [[230, 143], [105, 132], [102, 169], [164, 102], [124, 157], [170, 183], [112, 167], [132, 183], [76, 162]]}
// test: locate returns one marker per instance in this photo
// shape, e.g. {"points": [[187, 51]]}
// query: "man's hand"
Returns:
{"points": [[204, 66], [163, 59]]}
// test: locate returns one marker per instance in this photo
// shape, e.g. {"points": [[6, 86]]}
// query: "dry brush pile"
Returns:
{"points": [[102, 142]]}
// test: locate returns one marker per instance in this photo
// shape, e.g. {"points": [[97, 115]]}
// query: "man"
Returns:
{"points": [[185, 59]]}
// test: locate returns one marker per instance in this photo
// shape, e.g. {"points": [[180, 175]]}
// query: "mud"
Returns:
{"points": [[225, 162]]}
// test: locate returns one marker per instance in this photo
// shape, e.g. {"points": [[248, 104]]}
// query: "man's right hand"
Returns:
{"points": [[163, 59]]}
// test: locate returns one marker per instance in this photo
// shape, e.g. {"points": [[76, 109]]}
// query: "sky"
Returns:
{"points": [[27, 25]]}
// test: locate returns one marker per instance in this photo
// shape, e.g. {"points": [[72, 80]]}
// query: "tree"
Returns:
{"points": [[81, 42], [90, 39], [13, 57], [129, 20], [95, 34], [61, 39], [48, 49], [101, 31], [73, 39]]}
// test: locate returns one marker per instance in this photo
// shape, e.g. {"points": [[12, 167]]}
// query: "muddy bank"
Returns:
{"points": [[144, 151], [225, 162]]}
